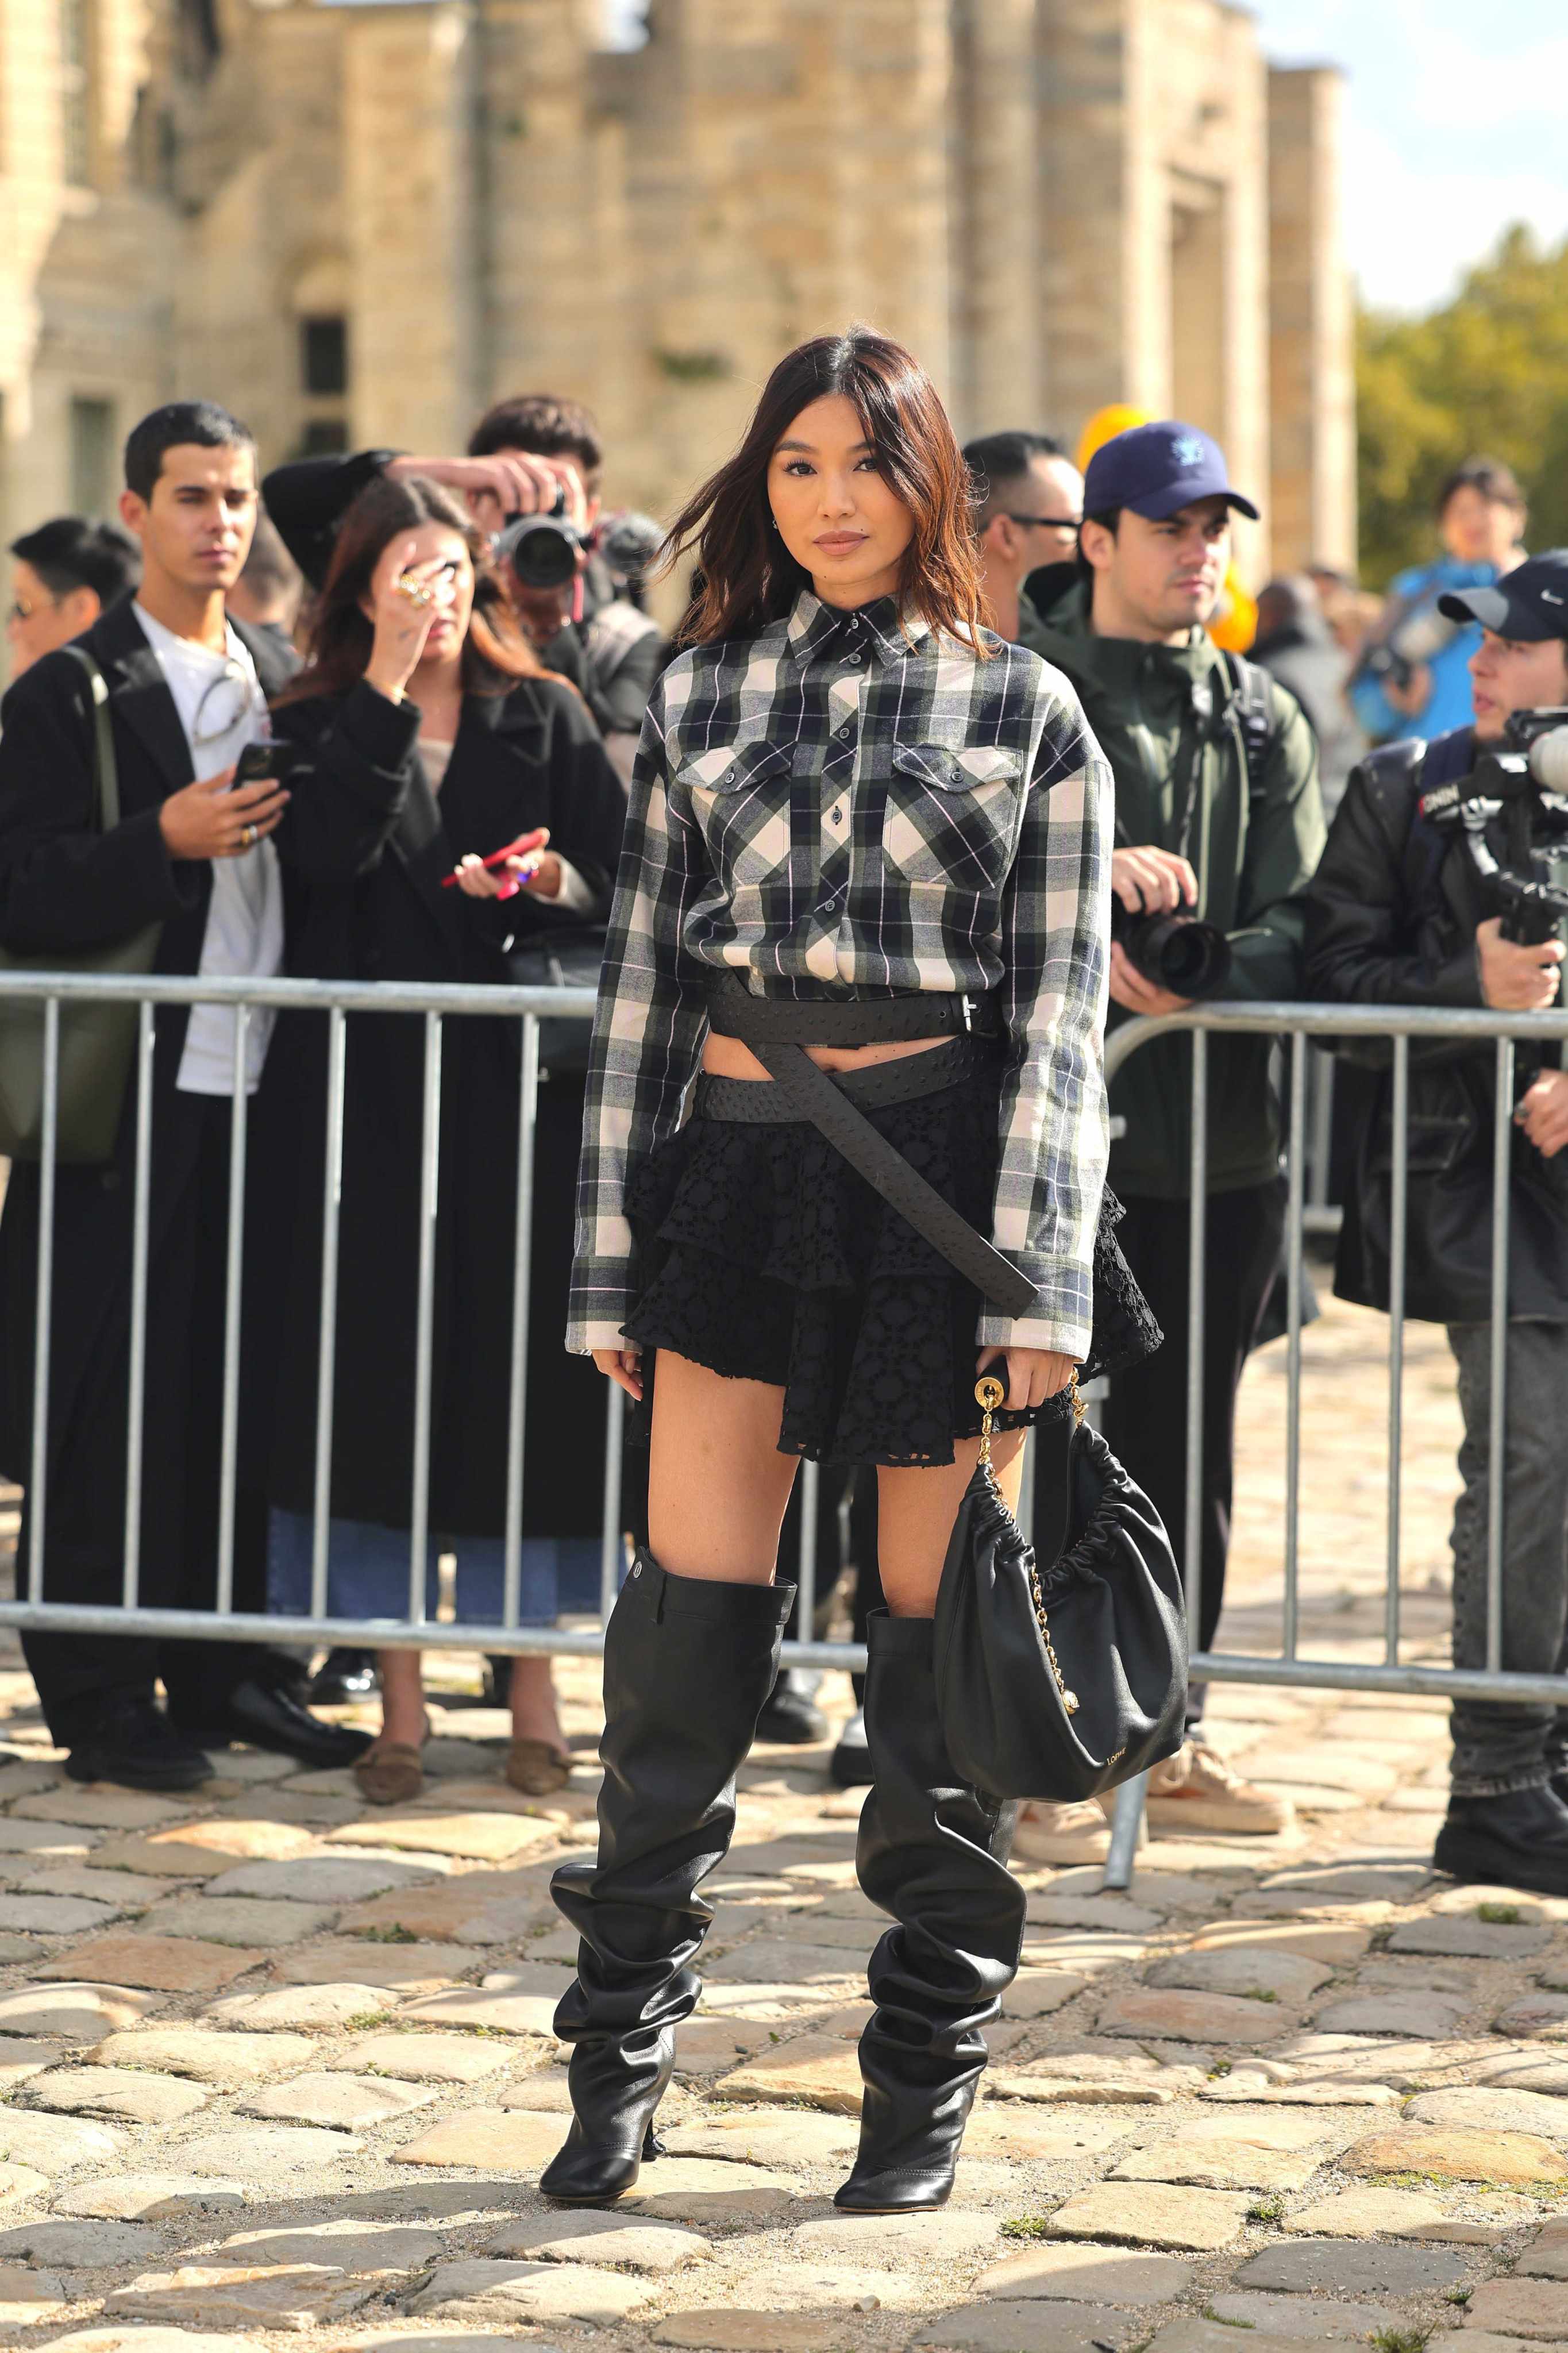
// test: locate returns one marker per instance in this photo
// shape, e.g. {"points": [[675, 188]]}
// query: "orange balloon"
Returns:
{"points": [[1235, 623], [1104, 425]]}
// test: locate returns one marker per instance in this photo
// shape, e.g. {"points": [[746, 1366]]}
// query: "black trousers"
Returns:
{"points": [[1145, 1416], [85, 1521]]}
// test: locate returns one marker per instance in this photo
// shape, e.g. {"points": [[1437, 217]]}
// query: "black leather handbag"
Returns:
{"points": [[1059, 1681]]}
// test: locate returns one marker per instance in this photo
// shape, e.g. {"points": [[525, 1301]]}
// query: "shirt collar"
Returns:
{"points": [[816, 631]]}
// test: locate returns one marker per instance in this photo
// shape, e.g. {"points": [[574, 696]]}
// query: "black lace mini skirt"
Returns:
{"points": [[763, 1255]]}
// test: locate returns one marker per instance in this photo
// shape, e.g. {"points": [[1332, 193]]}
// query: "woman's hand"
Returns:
{"points": [[1032, 1375], [624, 1366], [532, 869], [404, 600]]}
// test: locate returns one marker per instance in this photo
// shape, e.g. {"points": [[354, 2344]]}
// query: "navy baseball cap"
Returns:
{"points": [[1530, 603], [1157, 469]]}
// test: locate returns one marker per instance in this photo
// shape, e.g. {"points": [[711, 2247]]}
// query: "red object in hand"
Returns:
{"points": [[518, 849]]}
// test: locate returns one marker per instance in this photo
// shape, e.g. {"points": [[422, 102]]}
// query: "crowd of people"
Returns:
{"points": [[335, 694]]}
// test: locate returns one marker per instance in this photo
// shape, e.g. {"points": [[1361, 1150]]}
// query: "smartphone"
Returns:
{"points": [[259, 760]]}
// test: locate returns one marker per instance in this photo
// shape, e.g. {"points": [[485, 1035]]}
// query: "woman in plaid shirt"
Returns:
{"points": [[857, 816]]}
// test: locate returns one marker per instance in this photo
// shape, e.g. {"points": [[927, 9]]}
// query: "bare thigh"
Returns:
{"points": [[915, 1513], [718, 1485]]}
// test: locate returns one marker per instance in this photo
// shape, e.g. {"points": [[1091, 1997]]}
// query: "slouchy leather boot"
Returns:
{"points": [[934, 1852], [688, 1665]]}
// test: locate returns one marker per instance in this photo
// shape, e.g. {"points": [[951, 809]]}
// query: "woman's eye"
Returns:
{"points": [[798, 466]]}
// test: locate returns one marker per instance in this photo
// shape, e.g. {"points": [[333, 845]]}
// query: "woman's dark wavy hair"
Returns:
{"points": [[747, 576], [496, 653]]}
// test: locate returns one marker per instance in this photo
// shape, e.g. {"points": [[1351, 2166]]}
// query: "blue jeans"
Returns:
{"points": [[367, 1572]]}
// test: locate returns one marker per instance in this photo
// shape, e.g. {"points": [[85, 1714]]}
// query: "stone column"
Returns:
{"points": [[1104, 265], [409, 208], [1311, 322], [997, 273]]}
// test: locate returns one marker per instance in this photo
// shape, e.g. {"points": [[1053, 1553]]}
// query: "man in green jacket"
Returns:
{"points": [[1217, 812]]}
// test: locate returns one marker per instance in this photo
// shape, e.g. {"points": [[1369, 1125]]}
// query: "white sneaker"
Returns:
{"points": [[1077, 1832], [1196, 1790]]}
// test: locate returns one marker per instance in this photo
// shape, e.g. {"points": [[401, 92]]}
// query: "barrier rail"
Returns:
{"points": [[1397, 1026], [435, 1004]]}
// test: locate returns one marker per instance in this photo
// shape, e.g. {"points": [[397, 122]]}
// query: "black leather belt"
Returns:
{"points": [[778, 1028]]}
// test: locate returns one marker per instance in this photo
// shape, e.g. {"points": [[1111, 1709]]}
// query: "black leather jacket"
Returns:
{"points": [[1391, 919]]}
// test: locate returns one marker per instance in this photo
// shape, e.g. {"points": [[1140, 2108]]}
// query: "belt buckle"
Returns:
{"points": [[967, 1010]]}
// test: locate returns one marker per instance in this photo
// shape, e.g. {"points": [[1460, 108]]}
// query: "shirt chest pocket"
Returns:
{"points": [[952, 815], [740, 797]]}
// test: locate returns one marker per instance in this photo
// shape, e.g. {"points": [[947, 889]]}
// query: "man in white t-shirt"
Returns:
{"points": [[193, 853]]}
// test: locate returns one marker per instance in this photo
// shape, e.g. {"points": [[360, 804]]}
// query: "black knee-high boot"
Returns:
{"points": [[934, 1852], [688, 1665]]}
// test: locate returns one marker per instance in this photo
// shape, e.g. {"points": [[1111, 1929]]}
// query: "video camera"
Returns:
{"points": [[541, 548], [1523, 783], [1416, 638]]}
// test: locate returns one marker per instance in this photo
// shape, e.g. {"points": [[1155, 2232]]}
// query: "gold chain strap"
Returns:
{"points": [[988, 1395]]}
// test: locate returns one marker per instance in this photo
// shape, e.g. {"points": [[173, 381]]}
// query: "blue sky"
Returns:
{"points": [[1457, 126]]}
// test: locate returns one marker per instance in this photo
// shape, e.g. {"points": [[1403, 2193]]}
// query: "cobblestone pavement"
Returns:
{"points": [[275, 2063]]}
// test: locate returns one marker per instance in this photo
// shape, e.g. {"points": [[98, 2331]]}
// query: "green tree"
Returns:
{"points": [[1486, 372]]}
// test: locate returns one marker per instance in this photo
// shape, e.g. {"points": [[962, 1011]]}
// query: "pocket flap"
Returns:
{"points": [[947, 771], [729, 767]]}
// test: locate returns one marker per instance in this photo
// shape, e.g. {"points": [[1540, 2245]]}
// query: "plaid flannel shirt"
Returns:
{"points": [[849, 803]]}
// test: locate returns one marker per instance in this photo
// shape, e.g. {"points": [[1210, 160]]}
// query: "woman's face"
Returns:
{"points": [[836, 513], [1479, 529], [443, 564]]}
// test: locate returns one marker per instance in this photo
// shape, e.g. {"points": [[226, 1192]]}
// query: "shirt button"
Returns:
{"points": [[847, 728], [836, 816], [851, 660], [728, 776]]}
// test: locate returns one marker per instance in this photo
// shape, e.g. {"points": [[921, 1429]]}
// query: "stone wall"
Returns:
{"points": [[1058, 203]]}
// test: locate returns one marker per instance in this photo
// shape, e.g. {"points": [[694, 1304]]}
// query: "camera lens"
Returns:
{"points": [[542, 552], [1189, 958]]}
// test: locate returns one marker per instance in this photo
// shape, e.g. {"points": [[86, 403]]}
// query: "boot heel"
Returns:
{"points": [[652, 2146]]}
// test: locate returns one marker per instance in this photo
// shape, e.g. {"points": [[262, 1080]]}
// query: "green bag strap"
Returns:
{"points": [[105, 767]]}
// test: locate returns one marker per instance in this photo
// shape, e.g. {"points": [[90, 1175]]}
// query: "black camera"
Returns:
{"points": [[1521, 790], [541, 548], [1189, 958]]}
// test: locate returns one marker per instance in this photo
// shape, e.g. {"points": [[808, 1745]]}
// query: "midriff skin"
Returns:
{"points": [[728, 1058]]}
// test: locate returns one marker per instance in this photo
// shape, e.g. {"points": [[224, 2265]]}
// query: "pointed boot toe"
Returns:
{"points": [[583, 2173]]}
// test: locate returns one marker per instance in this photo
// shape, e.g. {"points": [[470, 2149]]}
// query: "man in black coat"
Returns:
{"points": [[1396, 916], [186, 693]]}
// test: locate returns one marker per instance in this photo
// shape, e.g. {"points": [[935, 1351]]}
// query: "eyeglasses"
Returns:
{"points": [[1045, 523], [233, 695]]}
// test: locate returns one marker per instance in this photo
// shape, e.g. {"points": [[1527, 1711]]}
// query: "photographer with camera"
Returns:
{"points": [[1443, 884], [1413, 678], [530, 480], [1219, 828]]}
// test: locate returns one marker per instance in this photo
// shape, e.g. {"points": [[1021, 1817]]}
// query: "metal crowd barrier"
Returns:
{"points": [[1397, 1025], [434, 1005]]}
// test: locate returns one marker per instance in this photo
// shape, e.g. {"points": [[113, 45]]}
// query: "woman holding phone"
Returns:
{"points": [[867, 838], [428, 738]]}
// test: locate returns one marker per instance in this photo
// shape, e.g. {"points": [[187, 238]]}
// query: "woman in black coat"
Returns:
{"points": [[428, 740]]}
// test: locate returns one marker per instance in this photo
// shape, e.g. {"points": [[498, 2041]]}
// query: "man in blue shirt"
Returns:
{"points": [[1414, 681]]}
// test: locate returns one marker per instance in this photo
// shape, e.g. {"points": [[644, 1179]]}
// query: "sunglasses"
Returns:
{"points": [[226, 701], [1045, 523]]}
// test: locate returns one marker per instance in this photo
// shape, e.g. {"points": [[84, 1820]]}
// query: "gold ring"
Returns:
{"points": [[249, 837], [415, 590]]}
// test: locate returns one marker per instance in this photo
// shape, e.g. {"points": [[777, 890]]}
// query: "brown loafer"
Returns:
{"points": [[536, 1768], [389, 1773]]}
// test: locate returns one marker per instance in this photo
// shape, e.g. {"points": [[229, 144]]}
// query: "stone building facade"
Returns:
{"points": [[356, 221]]}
